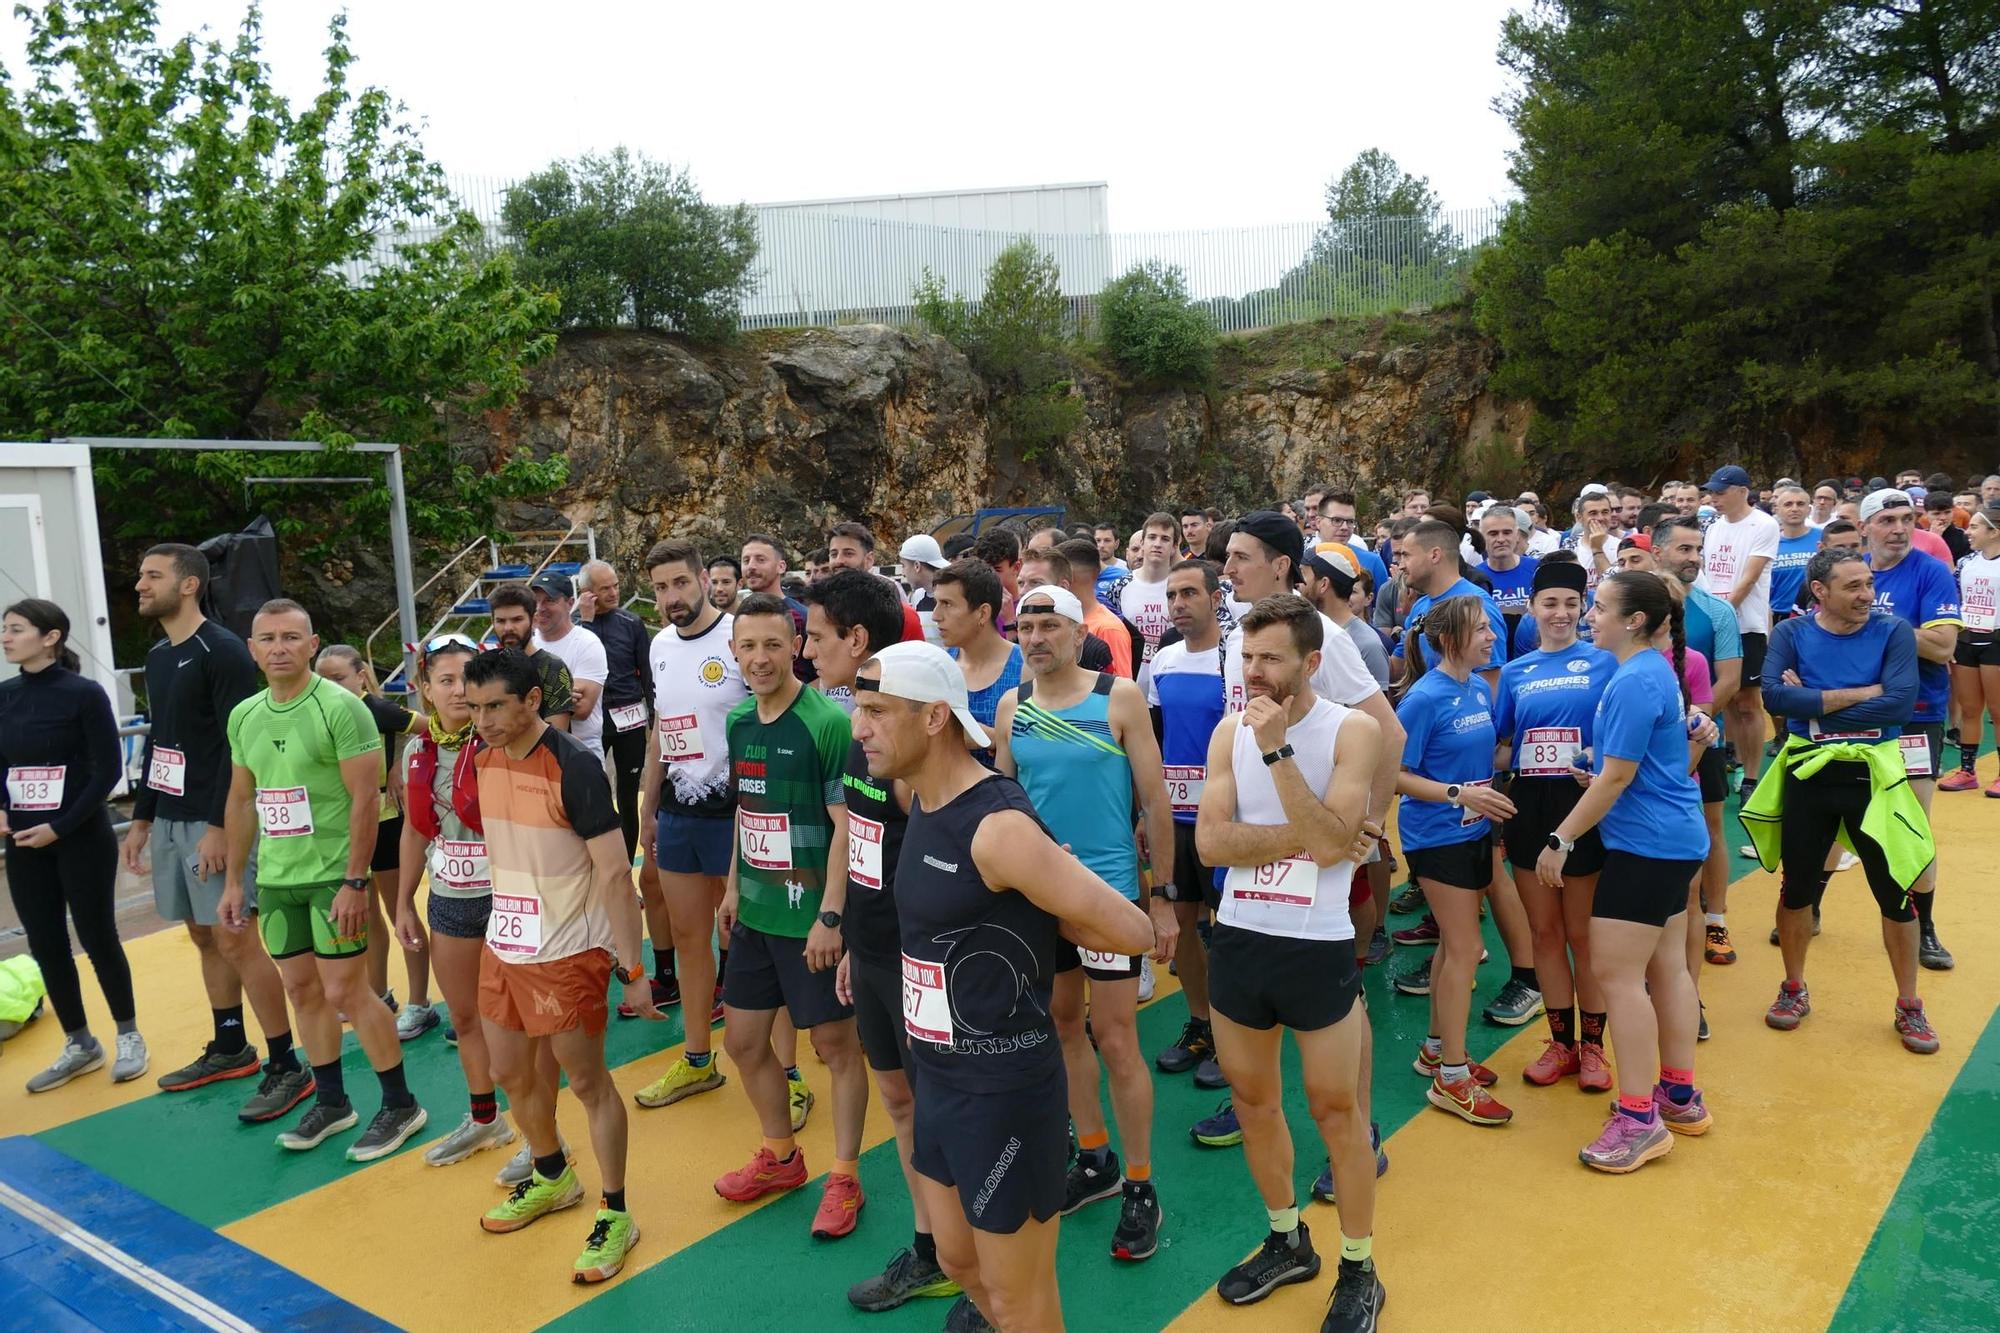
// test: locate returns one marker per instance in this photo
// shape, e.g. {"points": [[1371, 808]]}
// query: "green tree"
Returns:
{"points": [[185, 253], [1375, 211], [1015, 335], [624, 240], [1151, 328]]}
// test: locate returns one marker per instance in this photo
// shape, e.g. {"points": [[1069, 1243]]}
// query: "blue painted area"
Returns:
{"points": [[51, 1284]]}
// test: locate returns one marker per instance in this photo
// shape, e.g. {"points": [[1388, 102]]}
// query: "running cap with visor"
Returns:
{"points": [[924, 550], [1061, 601], [924, 673]]}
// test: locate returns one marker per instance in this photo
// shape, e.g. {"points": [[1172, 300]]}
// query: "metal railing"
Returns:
{"points": [[368, 644]]}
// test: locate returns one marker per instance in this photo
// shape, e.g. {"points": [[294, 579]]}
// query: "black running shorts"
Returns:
{"points": [[1006, 1153], [769, 972], [1540, 805], [1463, 865], [1264, 981], [1642, 888], [878, 1011]]}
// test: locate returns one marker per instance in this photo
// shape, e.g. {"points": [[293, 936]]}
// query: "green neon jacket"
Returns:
{"points": [[1895, 816]]}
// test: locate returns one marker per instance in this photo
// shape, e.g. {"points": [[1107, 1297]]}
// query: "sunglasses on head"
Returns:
{"points": [[443, 641]]}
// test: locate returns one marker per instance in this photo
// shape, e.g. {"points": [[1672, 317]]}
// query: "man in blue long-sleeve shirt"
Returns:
{"points": [[1845, 678]]}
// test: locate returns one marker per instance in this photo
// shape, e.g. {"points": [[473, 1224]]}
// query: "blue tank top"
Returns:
{"points": [[1080, 780], [985, 704]]}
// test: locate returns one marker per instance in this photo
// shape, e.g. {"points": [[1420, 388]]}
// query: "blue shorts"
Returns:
{"points": [[694, 844]]}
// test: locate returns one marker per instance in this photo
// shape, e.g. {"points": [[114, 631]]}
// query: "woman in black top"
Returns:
{"points": [[59, 752]]}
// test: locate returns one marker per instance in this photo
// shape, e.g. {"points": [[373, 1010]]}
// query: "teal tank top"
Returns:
{"points": [[1080, 780]]}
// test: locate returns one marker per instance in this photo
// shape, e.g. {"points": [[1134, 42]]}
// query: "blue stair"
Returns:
{"points": [[473, 606]]}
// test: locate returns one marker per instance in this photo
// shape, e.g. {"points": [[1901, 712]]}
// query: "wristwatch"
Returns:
{"points": [[831, 920], [1451, 792], [1558, 843], [1284, 751], [358, 884], [1164, 891], [628, 975]]}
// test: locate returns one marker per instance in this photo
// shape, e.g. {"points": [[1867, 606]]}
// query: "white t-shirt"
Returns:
{"points": [[1726, 548], [1542, 541], [1145, 605], [1342, 678], [695, 683], [1979, 594], [583, 653]]}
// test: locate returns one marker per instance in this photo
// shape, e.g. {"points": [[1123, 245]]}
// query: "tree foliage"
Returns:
{"points": [[1741, 220], [1151, 328], [1016, 336], [624, 240], [185, 253]]}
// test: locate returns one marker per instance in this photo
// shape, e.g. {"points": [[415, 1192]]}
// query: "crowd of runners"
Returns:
{"points": [[950, 823]]}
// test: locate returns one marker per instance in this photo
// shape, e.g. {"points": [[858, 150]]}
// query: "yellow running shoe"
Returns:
{"points": [[802, 1101], [535, 1197], [612, 1237], [682, 1080]]}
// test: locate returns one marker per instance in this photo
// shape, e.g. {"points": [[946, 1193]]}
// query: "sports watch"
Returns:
{"points": [[831, 920], [628, 975], [1558, 843], [1451, 792], [357, 884], [1280, 754]]}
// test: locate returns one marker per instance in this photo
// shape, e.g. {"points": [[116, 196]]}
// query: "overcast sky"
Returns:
{"points": [[1213, 116]]}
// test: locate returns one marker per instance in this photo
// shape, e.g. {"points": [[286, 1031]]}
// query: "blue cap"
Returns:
{"points": [[1725, 477]]}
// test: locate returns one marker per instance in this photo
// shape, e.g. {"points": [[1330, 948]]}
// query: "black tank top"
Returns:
{"points": [[978, 966], [875, 826]]}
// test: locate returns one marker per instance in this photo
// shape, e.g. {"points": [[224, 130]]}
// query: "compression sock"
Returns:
{"points": [[229, 1029], [1678, 1084], [1923, 902], [332, 1088], [1968, 754], [395, 1091], [127, 1025], [615, 1200], [852, 1170], [552, 1166], [1285, 1222], [1357, 1251], [1139, 1172], [485, 1108], [1562, 1025], [1526, 976], [1639, 1108]]}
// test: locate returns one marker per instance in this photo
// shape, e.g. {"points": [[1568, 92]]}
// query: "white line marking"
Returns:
{"points": [[191, 1303]]}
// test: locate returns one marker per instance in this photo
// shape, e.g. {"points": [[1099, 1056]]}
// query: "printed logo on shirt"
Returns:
{"points": [[278, 744], [713, 673], [1577, 664], [949, 867]]}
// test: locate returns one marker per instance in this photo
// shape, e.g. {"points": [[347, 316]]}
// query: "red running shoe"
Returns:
{"points": [[764, 1174]]}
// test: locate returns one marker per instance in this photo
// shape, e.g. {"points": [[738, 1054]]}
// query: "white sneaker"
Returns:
{"points": [[470, 1137], [1848, 860], [521, 1165], [1147, 984], [415, 1020], [132, 1058]]}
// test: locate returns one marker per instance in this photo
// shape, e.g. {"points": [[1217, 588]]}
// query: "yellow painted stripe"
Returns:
{"points": [[1757, 1224]]}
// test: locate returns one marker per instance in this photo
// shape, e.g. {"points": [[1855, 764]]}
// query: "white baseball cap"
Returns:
{"points": [[924, 673], [1060, 600], [924, 549], [1887, 498], [1594, 491]]}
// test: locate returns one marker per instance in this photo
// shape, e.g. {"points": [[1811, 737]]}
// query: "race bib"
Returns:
{"points": [[284, 812], [1549, 752], [926, 1008], [629, 717], [1184, 786], [766, 840], [1471, 817], [1106, 962], [167, 774], [680, 738], [515, 925], [35, 788], [461, 867], [864, 852], [1292, 882], [1916, 755], [1976, 609], [1819, 733]]}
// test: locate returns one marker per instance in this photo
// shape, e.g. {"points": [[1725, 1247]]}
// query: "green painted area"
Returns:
{"points": [[1932, 1263]]}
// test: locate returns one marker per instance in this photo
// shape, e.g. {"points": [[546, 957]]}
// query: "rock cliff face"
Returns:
{"points": [[791, 432]]}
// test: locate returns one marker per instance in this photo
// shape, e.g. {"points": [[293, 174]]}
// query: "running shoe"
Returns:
{"points": [[1208, 1075], [1915, 1029], [1467, 1099], [763, 1174], [1717, 949], [681, 1080], [1138, 1231], [1323, 1187], [1428, 1065], [1791, 1006], [415, 1021], [522, 1164], [1087, 1184], [389, 1130], [450, 1035], [908, 1277], [840, 1204], [1358, 1297], [1932, 954], [212, 1066], [1425, 934], [1516, 1004], [1691, 1119], [1816, 928], [533, 1198], [715, 1010], [1219, 1130], [800, 1097], [1747, 852], [1626, 1145], [75, 1061], [132, 1058], [1701, 1033], [317, 1125], [1378, 947], [611, 1238], [470, 1137], [1415, 980], [1148, 984], [1993, 789], [1771, 748], [279, 1092], [964, 1317], [1557, 1062], [1410, 899], [1594, 1071], [1963, 779], [1195, 1044], [1277, 1263], [664, 994]]}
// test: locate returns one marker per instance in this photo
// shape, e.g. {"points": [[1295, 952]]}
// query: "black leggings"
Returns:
{"points": [[628, 761], [1815, 808], [78, 874]]}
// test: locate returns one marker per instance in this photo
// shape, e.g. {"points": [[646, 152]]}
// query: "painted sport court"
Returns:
{"points": [[1847, 1183]]}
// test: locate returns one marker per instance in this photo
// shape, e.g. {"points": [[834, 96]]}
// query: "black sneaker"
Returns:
{"points": [[1411, 899], [1208, 1074], [1196, 1044], [212, 1066], [964, 1317], [1932, 954], [1088, 1184], [1357, 1299], [1279, 1262], [1378, 947], [320, 1123], [908, 1276], [281, 1090], [1816, 926], [1138, 1233], [388, 1131], [1415, 981]]}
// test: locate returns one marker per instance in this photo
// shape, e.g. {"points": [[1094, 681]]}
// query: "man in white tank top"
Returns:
{"points": [[1283, 809]]}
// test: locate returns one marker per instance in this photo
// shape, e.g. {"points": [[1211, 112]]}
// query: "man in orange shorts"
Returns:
{"points": [[563, 905]]}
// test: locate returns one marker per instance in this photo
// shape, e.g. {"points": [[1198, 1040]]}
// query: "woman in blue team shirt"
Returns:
{"points": [[1647, 808], [1543, 718], [1448, 803]]}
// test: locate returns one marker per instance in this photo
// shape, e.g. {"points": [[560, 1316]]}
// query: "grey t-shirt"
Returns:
{"points": [[1370, 644]]}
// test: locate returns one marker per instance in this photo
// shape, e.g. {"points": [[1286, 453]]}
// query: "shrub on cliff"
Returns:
{"points": [[624, 240], [1151, 329], [1015, 337]]}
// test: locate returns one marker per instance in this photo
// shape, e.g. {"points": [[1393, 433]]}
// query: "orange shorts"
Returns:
{"points": [[542, 999]]}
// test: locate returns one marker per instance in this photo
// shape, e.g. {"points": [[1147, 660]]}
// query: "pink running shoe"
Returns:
{"points": [[1626, 1145]]}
